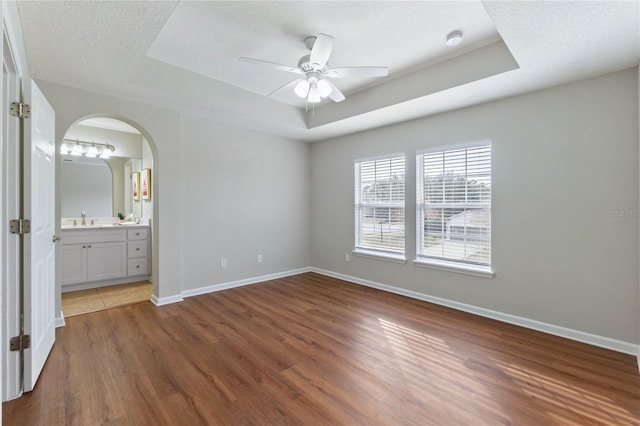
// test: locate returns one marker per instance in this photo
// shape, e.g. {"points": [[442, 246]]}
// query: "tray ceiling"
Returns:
{"points": [[184, 55]]}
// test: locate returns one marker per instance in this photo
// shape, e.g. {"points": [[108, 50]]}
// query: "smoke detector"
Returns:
{"points": [[454, 38]]}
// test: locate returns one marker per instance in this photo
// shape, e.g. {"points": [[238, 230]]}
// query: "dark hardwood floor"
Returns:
{"points": [[315, 350]]}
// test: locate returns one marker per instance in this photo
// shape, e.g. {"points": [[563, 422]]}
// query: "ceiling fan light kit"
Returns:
{"points": [[313, 88], [314, 71]]}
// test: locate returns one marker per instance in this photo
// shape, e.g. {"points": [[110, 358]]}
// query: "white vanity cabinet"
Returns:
{"points": [[138, 251], [95, 257]]}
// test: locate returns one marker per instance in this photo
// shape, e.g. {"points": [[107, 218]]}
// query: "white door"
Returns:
{"points": [[39, 254]]}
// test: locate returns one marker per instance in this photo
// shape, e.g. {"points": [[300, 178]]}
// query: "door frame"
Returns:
{"points": [[11, 193]]}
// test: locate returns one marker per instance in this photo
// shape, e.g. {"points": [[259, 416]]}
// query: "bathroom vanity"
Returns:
{"points": [[101, 255]]}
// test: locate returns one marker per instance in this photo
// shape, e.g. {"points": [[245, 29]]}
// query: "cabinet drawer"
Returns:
{"points": [[93, 236], [137, 248], [137, 267], [137, 234]]}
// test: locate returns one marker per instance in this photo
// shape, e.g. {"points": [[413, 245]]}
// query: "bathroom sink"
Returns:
{"points": [[97, 225]]}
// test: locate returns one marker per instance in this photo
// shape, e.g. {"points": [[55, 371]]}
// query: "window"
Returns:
{"points": [[454, 207], [379, 206]]}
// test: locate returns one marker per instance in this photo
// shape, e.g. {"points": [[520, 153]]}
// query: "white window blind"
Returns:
{"points": [[379, 204], [454, 205]]}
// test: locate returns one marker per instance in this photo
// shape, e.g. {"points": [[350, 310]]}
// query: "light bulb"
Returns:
{"points": [[324, 88], [77, 150], [92, 152], [302, 89], [106, 153], [64, 149], [314, 95]]}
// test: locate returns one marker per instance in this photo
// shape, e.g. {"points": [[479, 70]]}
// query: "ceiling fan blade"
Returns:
{"points": [[287, 68], [321, 51], [286, 88], [349, 72], [336, 95]]}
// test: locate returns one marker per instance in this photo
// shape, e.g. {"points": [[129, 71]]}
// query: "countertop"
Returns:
{"points": [[102, 226]]}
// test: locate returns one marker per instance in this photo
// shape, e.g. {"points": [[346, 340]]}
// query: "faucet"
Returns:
{"points": [[84, 217], [131, 217]]}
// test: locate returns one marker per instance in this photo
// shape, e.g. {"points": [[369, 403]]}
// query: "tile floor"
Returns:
{"points": [[98, 299]]}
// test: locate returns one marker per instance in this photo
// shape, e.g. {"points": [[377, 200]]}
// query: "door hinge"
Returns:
{"points": [[19, 343], [19, 226], [20, 110]]}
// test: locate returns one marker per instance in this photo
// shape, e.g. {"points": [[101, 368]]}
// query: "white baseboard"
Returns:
{"points": [[580, 336], [240, 283], [60, 320], [161, 301]]}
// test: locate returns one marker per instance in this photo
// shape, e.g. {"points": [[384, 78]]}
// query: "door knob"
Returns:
{"points": [[56, 239]]}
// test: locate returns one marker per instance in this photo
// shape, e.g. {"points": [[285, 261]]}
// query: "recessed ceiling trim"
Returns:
{"points": [[251, 110], [473, 66]]}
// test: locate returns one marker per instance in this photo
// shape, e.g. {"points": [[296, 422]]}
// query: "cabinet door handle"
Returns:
{"points": [[137, 266], [138, 249], [89, 246], [84, 246]]}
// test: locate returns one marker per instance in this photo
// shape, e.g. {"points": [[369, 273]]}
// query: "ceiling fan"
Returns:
{"points": [[314, 71]]}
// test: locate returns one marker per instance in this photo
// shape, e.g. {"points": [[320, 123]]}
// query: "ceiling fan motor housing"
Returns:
{"points": [[305, 65]]}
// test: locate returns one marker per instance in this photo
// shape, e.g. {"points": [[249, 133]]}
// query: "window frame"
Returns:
{"points": [[444, 263], [378, 253]]}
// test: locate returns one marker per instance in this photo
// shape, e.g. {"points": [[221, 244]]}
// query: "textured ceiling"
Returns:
{"points": [[185, 55], [399, 35]]}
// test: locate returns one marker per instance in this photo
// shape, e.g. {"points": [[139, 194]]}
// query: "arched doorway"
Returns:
{"points": [[129, 150]]}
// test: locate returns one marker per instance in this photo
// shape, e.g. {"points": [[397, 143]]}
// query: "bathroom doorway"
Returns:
{"points": [[98, 299], [105, 211]]}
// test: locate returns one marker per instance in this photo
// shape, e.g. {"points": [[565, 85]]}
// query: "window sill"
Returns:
{"points": [[477, 271], [388, 257]]}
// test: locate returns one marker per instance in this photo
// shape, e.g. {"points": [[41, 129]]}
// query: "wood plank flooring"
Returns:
{"points": [[315, 350], [99, 299]]}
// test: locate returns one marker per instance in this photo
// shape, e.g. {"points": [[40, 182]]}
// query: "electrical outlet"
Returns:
{"points": [[223, 263], [259, 258], [346, 257]]}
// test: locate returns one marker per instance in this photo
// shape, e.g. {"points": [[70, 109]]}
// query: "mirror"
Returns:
{"points": [[129, 206], [100, 186], [87, 184]]}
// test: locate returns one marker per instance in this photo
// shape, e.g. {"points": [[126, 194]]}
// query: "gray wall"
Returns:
{"points": [[565, 202], [244, 194], [161, 127], [563, 159], [217, 191]]}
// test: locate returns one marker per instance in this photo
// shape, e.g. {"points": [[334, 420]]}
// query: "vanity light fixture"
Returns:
{"points": [[85, 148]]}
